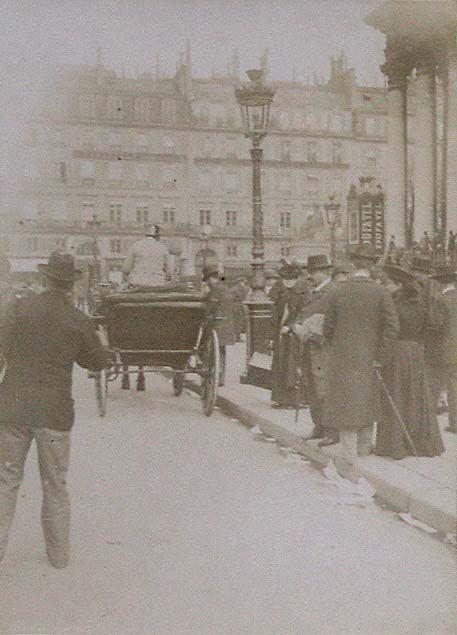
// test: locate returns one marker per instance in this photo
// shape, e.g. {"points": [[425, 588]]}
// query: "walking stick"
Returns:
{"points": [[396, 411], [298, 376]]}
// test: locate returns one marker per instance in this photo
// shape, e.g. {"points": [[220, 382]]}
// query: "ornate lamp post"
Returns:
{"points": [[255, 99], [332, 210]]}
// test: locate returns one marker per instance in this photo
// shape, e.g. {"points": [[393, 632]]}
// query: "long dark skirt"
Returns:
{"points": [[287, 384], [407, 382]]}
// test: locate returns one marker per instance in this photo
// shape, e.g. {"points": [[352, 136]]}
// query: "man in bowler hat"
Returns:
{"points": [[41, 337], [220, 304], [309, 328], [361, 326]]}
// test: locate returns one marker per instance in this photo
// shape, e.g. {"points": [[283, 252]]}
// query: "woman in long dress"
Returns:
{"points": [[406, 378]]}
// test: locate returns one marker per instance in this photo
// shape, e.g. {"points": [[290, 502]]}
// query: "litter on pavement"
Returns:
{"points": [[295, 458], [358, 494], [407, 518]]}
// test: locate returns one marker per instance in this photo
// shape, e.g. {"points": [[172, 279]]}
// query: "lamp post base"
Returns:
{"points": [[259, 334]]}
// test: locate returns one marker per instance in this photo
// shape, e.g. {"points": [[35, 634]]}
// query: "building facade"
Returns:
{"points": [[106, 154]]}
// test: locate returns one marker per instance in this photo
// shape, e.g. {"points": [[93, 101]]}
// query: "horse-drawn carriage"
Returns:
{"points": [[158, 331]]}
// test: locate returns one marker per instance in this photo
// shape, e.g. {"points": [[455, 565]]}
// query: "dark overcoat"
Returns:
{"points": [[315, 349], [41, 337], [220, 306], [448, 351], [361, 327]]}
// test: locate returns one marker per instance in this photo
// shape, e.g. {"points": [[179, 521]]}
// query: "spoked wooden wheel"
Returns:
{"points": [[210, 377], [178, 383], [101, 390]]}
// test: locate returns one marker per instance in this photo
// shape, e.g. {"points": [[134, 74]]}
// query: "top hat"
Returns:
{"points": [[60, 267], [423, 265], [445, 273], [363, 252], [318, 262], [289, 270], [210, 271], [398, 274]]}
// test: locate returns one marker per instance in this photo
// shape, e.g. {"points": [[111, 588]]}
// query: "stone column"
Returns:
{"points": [[397, 158], [425, 149], [451, 127]]}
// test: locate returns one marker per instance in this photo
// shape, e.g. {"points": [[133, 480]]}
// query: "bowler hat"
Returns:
{"points": [[317, 262], [445, 273], [342, 267], [210, 271], [363, 252], [60, 267], [398, 274]]}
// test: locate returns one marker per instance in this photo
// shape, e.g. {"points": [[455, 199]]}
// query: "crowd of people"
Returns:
{"points": [[358, 342], [365, 342]]}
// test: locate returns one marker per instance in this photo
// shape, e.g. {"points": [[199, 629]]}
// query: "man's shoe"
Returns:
{"points": [[315, 434], [327, 441]]}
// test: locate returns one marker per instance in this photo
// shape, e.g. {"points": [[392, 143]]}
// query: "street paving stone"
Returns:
{"points": [[184, 524]]}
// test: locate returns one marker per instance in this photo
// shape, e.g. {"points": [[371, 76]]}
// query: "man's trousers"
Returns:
{"points": [[53, 449]]}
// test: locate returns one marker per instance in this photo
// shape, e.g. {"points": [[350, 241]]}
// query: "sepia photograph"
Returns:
{"points": [[228, 317]]}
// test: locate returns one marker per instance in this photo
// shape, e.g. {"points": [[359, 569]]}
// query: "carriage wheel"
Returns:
{"points": [[101, 390], [178, 383], [210, 377]]}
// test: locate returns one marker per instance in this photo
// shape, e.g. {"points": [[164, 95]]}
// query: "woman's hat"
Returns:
{"points": [[423, 265], [445, 273], [60, 267], [398, 274]]}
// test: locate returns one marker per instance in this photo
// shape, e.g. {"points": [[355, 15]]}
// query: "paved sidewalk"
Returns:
{"points": [[424, 487]]}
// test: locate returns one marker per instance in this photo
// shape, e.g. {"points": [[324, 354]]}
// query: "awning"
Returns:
{"points": [[26, 264]]}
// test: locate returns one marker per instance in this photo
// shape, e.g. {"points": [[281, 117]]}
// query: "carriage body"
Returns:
{"points": [[158, 331]]}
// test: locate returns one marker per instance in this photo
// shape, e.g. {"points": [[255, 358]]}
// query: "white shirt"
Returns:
{"points": [[147, 262]]}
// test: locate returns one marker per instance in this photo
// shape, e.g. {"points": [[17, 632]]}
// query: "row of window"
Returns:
{"points": [[117, 246], [205, 216], [116, 107], [207, 180]]}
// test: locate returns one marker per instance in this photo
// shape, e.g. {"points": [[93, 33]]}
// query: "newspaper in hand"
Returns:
{"points": [[312, 326]]}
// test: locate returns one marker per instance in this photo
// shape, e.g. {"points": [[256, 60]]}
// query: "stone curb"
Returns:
{"points": [[435, 506]]}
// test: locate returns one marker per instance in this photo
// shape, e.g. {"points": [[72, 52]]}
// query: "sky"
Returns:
{"points": [[300, 35]]}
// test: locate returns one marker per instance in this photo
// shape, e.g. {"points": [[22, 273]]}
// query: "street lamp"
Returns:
{"points": [[94, 225], [332, 210], [255, 99]]}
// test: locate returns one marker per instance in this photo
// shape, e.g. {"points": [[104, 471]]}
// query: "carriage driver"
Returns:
{"points": [[147, 263]]}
